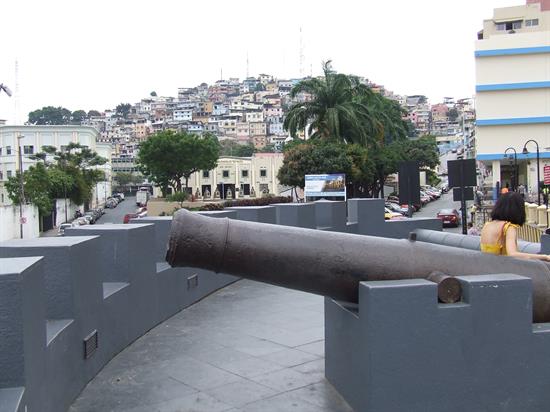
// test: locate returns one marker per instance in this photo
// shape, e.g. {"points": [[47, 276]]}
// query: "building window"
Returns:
{"points": [[263, 173], [0, 151], [225, 173], [205, 174], [516, 25], [8, 174], [244, 173], [28, 150], [531, 22], [8, 150]]}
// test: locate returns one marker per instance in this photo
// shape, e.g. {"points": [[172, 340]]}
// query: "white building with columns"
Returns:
{"points": [[240, 176], [513, 93]]}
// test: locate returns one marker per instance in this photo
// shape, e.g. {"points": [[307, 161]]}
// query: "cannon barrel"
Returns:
{"points": [[330, 263]]}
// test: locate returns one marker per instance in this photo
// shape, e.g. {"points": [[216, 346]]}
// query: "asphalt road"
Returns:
{"points": [[116, 215], [444, 202]]}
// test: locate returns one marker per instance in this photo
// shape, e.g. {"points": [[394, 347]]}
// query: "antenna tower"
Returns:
{"points": [[16, 97], [301, 54]]}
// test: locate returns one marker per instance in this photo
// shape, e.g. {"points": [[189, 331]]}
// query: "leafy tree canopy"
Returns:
{"points": [[168, 156], [229, 147], [320, 157], [153, 94], [70, 173], [78, 116], [94, 113], [127, 178], [36, 183], [123, 110], [50, 115]]}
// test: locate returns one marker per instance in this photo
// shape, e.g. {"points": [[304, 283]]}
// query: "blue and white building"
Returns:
{"points": [[513, 92]]}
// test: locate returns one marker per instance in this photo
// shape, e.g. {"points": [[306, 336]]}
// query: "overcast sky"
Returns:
{"points": [[96, 54]]}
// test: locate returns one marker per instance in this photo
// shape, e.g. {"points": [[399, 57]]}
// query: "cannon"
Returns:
{"points": [[330, 263]]}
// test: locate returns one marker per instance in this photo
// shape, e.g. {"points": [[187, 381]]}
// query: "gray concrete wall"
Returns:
{"points": [[399, 350], [54, 292]]}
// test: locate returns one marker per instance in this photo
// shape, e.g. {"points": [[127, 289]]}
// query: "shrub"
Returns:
{"points": [[177, 197]]}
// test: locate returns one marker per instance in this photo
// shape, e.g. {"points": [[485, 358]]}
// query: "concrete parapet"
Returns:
{"points": [[263, 214], [399, 350], [22, 333], [330, 215], [296, 214], [368, 214]]}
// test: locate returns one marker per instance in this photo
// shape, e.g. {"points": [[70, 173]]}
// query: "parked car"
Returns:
{"points": [[390, 215], [394, 207], [91, 216], [449, 217], [119, 196], [111, 203], [81, 221], [129, 216], [89, 219]]}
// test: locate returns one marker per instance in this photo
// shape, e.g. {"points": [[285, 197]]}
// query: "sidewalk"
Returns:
{"points": [[248, 347]]}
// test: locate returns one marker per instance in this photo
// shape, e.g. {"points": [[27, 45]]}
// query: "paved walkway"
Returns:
{"points": [[249, 347]]}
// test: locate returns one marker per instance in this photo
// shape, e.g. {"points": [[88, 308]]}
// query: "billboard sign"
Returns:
{"points": [[325, 185]]}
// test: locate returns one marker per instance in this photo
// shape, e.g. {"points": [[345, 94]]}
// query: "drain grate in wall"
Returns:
{"points": [[192, 281], [90, 344]]}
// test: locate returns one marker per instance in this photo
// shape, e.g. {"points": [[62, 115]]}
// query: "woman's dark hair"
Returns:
{"points": [[510, 207]]}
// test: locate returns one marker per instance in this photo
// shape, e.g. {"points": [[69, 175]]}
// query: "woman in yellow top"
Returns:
{"points": [[500, 236]]}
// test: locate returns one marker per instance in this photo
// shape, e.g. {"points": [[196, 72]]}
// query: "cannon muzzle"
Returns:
{"points": [[330, 263]]}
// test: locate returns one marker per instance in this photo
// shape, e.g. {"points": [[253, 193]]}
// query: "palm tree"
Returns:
{"points": [[344, 109], [337, 110]]}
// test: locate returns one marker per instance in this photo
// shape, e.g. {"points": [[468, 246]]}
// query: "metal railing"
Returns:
{"points": [[538, 218]]}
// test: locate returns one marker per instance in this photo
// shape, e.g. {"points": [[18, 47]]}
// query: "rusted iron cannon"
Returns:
{"points": [[332, 264]]}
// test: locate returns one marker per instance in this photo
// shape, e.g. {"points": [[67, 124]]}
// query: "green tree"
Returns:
{"points": [[229, 147], [124, 179], [153, 94], [337, 110], [94, 113], [73, 171], [452, 114], [50, 115], [36, 184], [320, 157], [78, 116], [168, 157], [123, 110]]}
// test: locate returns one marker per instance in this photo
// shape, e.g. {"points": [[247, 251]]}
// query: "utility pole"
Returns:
{"points": [[21, 186]]}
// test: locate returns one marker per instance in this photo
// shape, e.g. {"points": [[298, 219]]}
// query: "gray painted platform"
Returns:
{"points": [[248, 347]]}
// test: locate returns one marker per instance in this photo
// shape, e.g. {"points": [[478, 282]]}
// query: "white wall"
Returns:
{"points": [[60, 211], [9, 222]]}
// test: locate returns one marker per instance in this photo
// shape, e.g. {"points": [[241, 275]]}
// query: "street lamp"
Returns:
{"points": [[515, 175], [21, 184], [525, 151]]}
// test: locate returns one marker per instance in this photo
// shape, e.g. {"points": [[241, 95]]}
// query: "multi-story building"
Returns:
{"points": [[182, 115], [257, 128], [254, 116], [513, 92]]}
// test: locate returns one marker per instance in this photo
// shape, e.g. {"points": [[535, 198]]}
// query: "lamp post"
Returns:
{"points": [[515, 175], [21, 185], [525, 151]]}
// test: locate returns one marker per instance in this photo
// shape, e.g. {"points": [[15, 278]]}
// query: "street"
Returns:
{"points": [[445, 202], [116, 215]]}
